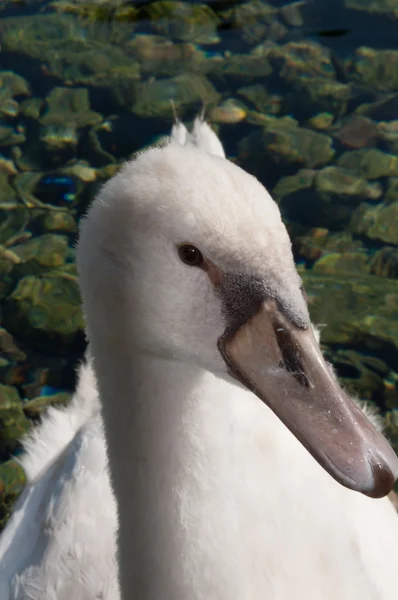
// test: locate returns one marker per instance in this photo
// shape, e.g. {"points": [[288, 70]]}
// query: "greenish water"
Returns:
{"points": [[304, 95]]}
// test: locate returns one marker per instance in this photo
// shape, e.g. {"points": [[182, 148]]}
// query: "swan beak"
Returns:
{"points": [[283, 365]]}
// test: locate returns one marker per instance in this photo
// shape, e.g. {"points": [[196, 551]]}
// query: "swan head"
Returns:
{"points": [[191, 251]]}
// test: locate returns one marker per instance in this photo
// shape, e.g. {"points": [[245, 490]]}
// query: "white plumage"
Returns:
{"points": [[217, 499]]}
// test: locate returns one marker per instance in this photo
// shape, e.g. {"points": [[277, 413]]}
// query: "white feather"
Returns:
{"points": [[238, 508]]}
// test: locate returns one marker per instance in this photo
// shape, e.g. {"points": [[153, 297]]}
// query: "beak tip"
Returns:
{"points": [[384, 473]]}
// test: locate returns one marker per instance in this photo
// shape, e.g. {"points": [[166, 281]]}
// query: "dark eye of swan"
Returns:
{"points": [[190, 255]]}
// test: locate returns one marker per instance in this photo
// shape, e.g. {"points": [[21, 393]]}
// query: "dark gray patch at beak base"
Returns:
{"points": [[242, 296]]}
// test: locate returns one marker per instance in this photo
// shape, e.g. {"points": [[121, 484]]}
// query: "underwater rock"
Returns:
{"points": [[57, 221], [7, 167], [9, 347], [357, 132], [258, 95], [388, 7], [385, 109], [245, 66], [45, 310], [328, 202], [10, 136], [230, 111], [31, 108], [13, 422], [9, 107], [157, 55], [378, 222], [292, 14], [283, 144], [37, 406], [369, 163], [311, 244], [47, 250], [182, 21], [321, 121], [303, 59], [105, 66], [8, 194], [372, 324], [290, 184], [153, 97], [36, 35], [384, 262], [317, 94], [336, 183], [391, 193], [13, 85], [68, 110], [73, 53], [377, 69], [97, 10], [388, 132], [12, 481], [14, 219], [347, 263], [256, 20], [308, 246]]}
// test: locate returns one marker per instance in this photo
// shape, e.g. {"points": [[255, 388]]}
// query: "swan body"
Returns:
{"points": [[215, 496]]}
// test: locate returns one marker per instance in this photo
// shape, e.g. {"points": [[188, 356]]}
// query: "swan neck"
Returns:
{"points": [[155, 423]]}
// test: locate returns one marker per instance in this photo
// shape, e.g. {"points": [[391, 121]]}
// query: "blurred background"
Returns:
{"points": [[303, 94]]}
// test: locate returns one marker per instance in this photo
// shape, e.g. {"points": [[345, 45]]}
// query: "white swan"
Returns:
{"points": [[217, 499]]}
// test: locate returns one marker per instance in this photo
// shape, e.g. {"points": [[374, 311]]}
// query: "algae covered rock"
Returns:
{"points": [[378, 222], [48, 250], [384, 262], [317, 94], [316, 242], [283, 144], [357, 131], [153, 98], [370, 163], [387, 7], [11, 136], [11, 86], [67, 111], [159, 55], [256, 20], [254, 64], [182, 21], [302, 59], [356, 311], [13, 221], [13, 422], [377, 69], [337, 184], [57, 221], [391, 194], [286, 186], [12, 481], [45, 309], [348, 263], [57, 41]]}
